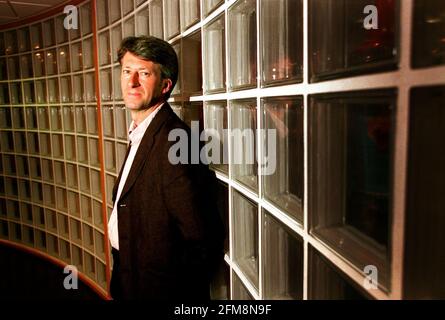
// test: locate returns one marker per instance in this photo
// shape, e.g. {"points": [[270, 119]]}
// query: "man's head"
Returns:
{"points": [[149, 71]]}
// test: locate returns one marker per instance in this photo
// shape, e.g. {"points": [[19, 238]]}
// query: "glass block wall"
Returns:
{"points": [[353, 208]]}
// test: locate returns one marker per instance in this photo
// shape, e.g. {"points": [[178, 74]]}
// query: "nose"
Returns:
{"points": [[133, 82]]}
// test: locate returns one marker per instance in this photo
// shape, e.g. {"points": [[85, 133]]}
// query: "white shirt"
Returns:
{"points": [[135, 134]]}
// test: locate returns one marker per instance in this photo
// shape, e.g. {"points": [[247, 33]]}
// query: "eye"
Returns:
{"points": [[125, 71], [144, 73]]}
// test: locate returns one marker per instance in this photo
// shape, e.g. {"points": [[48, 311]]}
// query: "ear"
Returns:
{"points": [[166, 85]]}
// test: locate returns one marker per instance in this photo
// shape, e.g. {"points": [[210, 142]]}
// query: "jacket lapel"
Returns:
{"points": [[146, 146], [116, 184]]}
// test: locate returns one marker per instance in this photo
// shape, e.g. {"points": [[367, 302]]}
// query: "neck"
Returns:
{"points": [[140, 115]]}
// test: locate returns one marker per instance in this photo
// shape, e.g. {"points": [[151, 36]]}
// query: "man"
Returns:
{"points": [[165, 231]]}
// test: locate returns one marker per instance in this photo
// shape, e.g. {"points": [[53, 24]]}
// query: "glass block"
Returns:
{"points": [[76, 56], [75, 33], [171, 14], [73, 204], [12, 207], [97, 212], [31, 118], [40, 239], [101, 274], [62, 200], [24, 189], [209, 5], [239, 291], [15, 232], [22, 166], [117, 90], [71, 175], [76, 231], [10, 166], [82, 150], [51, 220], [47, 170], [155, 19], [178, 87], [105, 48], [63, 225], [242, 45], [28, 92], [222, 203], [94, 152], [326, 282], [129, 27], [92, 120], [4, 99], [340, 43], [37, 194], [102, 13], [110, 156], [85, 15], [53, 90], [40, 88], [7, 142], [56, 118], [425, 205], [90, 265], [86, 209], [70, 147], [243, 115], [43, 118], [4, 229], [61, 32], [121, 122], [121, 151], [95, 183], [11, 42], [192, 64], [189, 13], [193, 115], [282, 261], [84, 179], [77, 257], [57, 145], [2, 44], [351, 149], [78, 92], [283, 153], [214, 55], [105, 85], [26, 213], [142, 22], [215, 124], [88, 237], [39, 64], [51, 62], [13, 68], [115, 10], [63, 54], [220, 284], [428, 33], [68, 118], [33, 143], [3, 73], [110, 181], [36, 36], [49, 197], [23, 39], [90, 87], [65, 89], [108, 121], [18, 118], [177, 108], [65, 253], [245, 236], [87, 53], [116, 39], [26, 66], [59, 172], [20, 142], [99, 244], [281, 31], [49, 38], [45, 144]]}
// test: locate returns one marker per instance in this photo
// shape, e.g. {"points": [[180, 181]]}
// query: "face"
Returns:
{"points": [[141, 83]]}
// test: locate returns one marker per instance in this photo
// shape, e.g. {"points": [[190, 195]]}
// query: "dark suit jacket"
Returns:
{"points": [[170, 233]]}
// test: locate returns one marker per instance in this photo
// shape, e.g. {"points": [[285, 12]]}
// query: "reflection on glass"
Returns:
{"points": [[171, 14], [340, 44], [428, 33], [39, 64], [245, 236], [328, 283], [242, 44], [283, 174], [36, 36], [215, 123], [282, 261], [351, 151], [64, 59], [282, 41], [155, 19], [214, 49], [243, 115]]}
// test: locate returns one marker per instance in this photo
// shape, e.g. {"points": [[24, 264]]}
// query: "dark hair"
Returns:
{"points": [[155, 50]]}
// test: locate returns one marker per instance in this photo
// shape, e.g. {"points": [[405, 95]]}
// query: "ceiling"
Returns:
{"points": [[16, 10]]}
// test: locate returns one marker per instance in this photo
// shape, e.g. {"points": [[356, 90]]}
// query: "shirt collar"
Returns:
{"points": [[136, 132]]}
